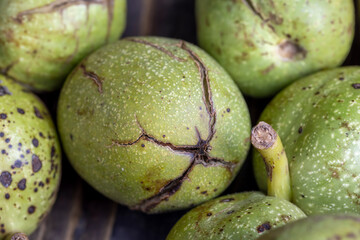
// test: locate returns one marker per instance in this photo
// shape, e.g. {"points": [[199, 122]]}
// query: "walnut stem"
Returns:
{"points": [[265, 139], [17, 236]]}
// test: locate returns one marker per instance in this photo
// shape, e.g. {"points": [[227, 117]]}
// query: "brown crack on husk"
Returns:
{"points": [[93, 76], [55, 6], [199, 153], [251, 6], [164, 50]]}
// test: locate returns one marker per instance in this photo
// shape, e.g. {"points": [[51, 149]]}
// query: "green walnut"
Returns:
{"points": [[318, 119], [265, 45], [323, 227], [30, 162], [244, 215], [154, 123], [42, 41]]}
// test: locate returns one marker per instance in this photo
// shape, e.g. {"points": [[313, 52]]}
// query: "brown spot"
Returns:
{"points": [[346, 125], [209, 214], [5, 179], [227, 200], [286, 218], [268, 69], [263, 227], [204, 192], [275, 19], [230, 212], [22, 184], [356, 85], [38, 113], [290, 50], [31, 209], [334, 173], [36, 163]]}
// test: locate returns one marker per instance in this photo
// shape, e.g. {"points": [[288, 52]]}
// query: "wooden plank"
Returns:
{"points": [[97, 218], [61, 222], [131, 225]]}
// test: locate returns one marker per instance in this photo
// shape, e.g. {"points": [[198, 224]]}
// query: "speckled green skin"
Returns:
{"points": [[244, 36], [318, 119], [137, 123], [30, 159], [237, 216], [324, 227], [41, 41]]}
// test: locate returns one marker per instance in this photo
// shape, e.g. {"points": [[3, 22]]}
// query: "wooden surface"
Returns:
{"points": [[80, 212]]}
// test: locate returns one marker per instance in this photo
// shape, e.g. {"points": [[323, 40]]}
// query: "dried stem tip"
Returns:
{"points": [[17, 236], [263, 136]]}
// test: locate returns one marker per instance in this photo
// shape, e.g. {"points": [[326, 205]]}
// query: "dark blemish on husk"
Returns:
{"points": [[22, 184], [356, 85], [31, 209], [5, 179], [93, 76], [7, 196], [18, 164], [36, 163], [209, 214], [300, 130], [20, 110], [230, 212], [4, 91], [52, 154], [35, 142], [227, 200], [3, 116], [263, 227], [38, 113]]}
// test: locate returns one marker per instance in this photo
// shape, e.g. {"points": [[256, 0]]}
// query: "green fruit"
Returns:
{"points": [[237, 216], [325, 227], [318, 120], [154, 123], [265, 45], [30, 159], [42, 41]]}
